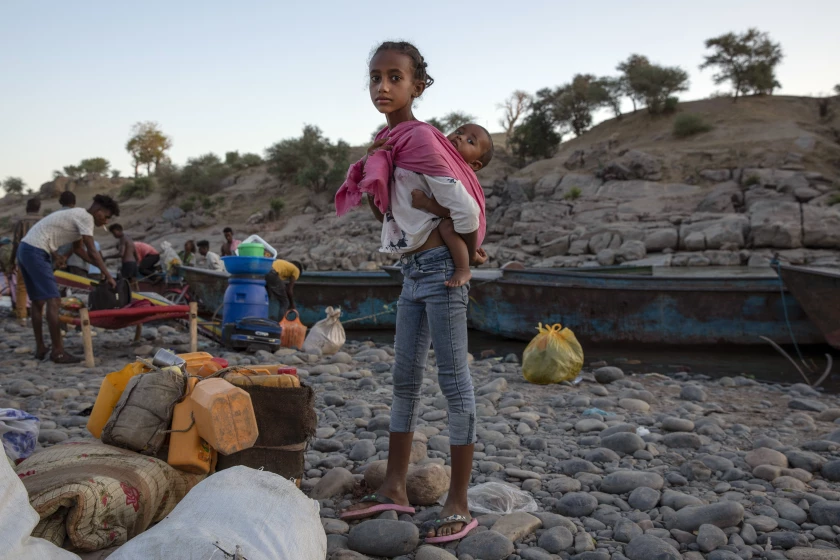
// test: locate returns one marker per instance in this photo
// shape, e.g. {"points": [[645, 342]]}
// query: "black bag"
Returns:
{"points": [[103, 297]]}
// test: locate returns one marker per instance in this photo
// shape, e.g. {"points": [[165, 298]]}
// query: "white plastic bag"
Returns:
{"points": [[168, 258], [327, 335], [18, 519], [497, 497], [18, 432], [258, 513]]}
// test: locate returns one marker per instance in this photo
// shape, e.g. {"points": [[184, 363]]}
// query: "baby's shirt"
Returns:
{"points": [[406, 228]]}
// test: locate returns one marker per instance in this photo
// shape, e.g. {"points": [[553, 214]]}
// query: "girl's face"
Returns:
{"points": [[392, 83]]}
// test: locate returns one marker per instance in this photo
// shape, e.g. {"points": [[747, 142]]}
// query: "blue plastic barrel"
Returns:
{"points": [[245, 297]]}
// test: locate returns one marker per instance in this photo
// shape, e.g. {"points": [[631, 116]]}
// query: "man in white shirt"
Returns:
{"points": [[74, 226], [207, 258]]}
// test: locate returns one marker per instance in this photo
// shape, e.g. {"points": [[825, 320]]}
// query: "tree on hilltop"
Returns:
{"points": [[651, 84], [629, 75], [747, 60], [837, 89], [310, 160], [95, 165], [147, 145], [452, 121], [514, 108], [536, 138], [14, 185]]}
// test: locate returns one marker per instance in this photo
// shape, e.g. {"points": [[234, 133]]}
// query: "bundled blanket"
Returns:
{"points": [[98, 495], [417, 147]]}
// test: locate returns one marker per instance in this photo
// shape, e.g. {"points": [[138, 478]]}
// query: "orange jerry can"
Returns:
{"points": [[294, 332], [224, 416], [195, 361], [188, 451], [110, 391], [263, 380]]}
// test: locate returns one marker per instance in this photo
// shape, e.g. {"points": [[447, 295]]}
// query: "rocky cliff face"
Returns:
{"points": [[761, 183]]}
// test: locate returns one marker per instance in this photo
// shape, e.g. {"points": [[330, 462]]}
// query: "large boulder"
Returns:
{"points": [[779, 179], [724, 198], [821, 226], [716, 231], [660, 239], [776, 224], [634, 164]]}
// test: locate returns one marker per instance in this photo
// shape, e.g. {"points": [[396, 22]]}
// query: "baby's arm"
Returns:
{"points": [[422, 201]]}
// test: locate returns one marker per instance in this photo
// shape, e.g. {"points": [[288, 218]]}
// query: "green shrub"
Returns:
{"points": [[752, 180], [690, 124], [834, 199], [573, 194], [671, 105], [188, 205], [277, 204], [141, 187]]}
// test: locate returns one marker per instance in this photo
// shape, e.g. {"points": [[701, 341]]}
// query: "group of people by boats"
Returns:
{"points": [[63, 240]]}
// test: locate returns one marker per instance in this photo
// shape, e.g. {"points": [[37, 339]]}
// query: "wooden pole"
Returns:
{"points": [[87, 339], [138, 332], [193, 327]]}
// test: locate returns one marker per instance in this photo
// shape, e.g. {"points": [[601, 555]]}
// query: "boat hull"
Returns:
{"points": [[612, 308], [367, 299], [818, 292]]}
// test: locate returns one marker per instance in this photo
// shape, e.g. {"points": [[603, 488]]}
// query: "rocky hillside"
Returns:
{"points": [[760, 182]]}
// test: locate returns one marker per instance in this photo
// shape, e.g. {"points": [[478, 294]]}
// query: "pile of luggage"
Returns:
{"points": [[199, 415]]}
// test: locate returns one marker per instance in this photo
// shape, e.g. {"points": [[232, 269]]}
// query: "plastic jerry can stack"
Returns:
{"points": [[224, 416], [114, 384], [188, 451]]}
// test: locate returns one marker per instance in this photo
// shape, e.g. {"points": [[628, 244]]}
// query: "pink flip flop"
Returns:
{"points": [[384, 504], [436, 524]]}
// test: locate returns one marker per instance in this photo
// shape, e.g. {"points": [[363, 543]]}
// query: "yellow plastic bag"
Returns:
{"points": [[553, 356]]}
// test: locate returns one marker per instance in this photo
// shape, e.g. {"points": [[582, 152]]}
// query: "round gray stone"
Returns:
{"points": [[721, 514], [826, 513], [556, 540], [623, 442], [621, 482], [384, 537], [576, 504], [608, 374], [693, 393], [643, 498], [362, 450], [487, 545], [674, 424], [710, 538], [648, 547]]}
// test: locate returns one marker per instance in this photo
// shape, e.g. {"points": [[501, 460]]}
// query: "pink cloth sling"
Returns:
{"points": [[418, 147]]}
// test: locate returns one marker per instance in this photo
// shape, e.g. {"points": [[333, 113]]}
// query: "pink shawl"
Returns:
{"points": [[418, 147]]}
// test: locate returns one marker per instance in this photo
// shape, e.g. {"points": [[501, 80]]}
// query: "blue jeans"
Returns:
{"points": [[430, 313]]}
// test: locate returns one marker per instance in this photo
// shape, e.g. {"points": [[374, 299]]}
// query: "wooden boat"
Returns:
{"points": [[367, 299], [818, 292], [644, 307]]}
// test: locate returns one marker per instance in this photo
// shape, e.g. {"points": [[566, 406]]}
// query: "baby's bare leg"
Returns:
{"points": [[460, 254]]}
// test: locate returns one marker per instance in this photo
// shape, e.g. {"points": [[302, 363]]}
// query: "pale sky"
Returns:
{"points": [[220, 76]]}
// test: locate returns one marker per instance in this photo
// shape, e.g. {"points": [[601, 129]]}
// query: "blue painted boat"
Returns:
{"points": [[694, 308], [366, 298]]}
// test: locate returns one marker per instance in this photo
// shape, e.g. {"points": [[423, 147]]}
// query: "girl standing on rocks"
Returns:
{"points": [[418, 157]]}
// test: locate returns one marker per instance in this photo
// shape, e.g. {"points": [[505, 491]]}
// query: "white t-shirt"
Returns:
{"points": [[60, 228], [406, 228], [210, 261]]}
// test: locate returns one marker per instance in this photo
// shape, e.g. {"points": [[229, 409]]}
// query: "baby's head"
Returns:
{"points": [[474, 144]]}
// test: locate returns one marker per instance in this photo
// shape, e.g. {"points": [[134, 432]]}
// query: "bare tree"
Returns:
{"points": [[514, 108]]}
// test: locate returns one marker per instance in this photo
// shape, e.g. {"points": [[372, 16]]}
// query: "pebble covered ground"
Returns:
{"points": [[619, 466]]}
